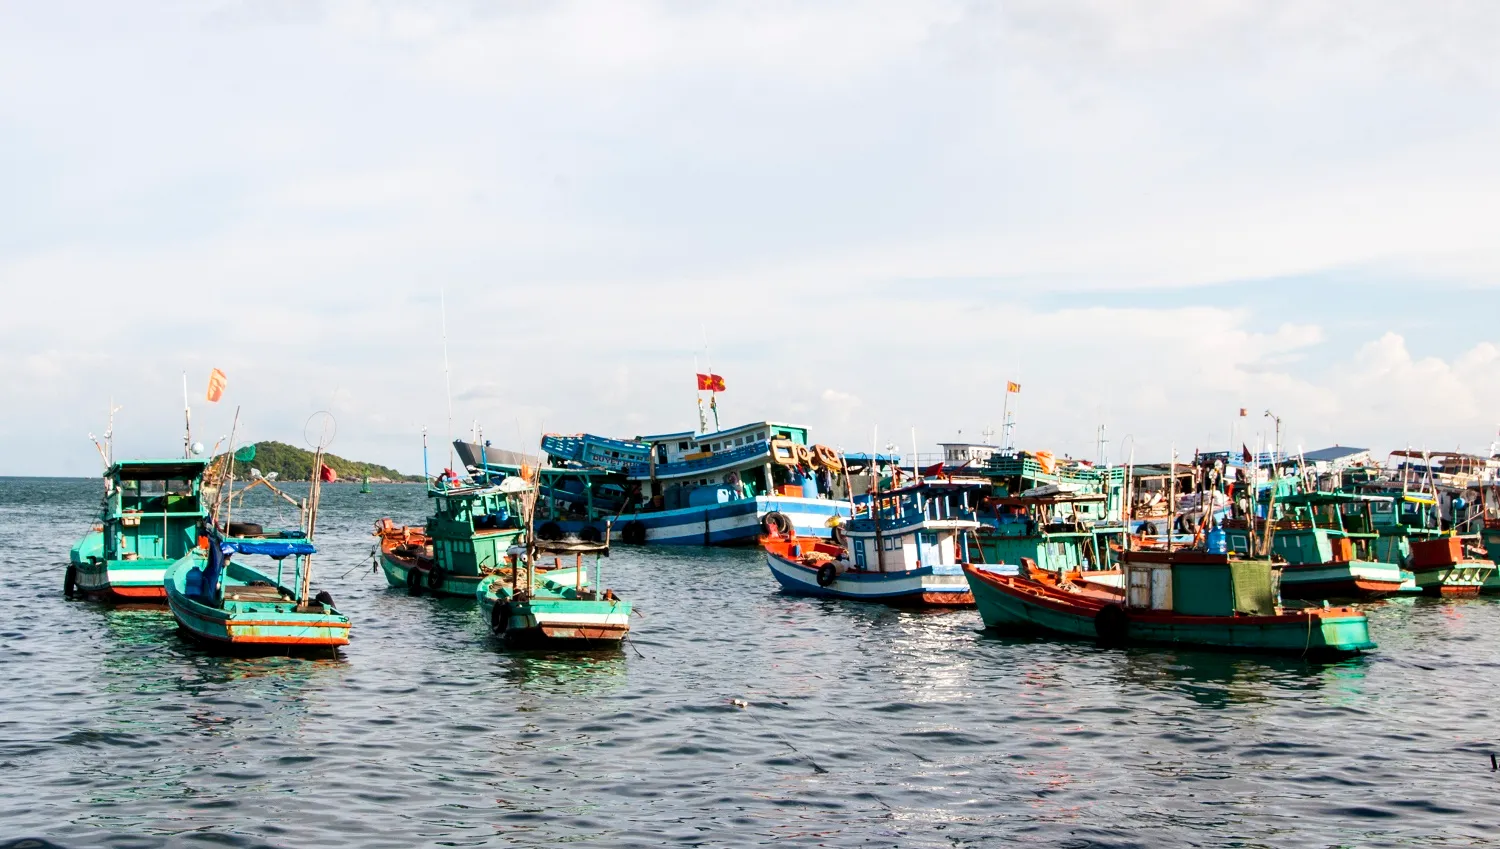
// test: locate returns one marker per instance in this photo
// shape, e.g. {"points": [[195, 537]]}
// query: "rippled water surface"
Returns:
{"points": [[865, 726]]}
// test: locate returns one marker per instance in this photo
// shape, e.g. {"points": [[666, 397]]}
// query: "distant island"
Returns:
{"points": [[289, 463]]}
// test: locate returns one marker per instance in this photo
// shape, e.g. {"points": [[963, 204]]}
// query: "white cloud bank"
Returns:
{"points": [[280, 189]]}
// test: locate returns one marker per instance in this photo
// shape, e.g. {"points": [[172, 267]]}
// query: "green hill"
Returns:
{"points": [[295, 464]]}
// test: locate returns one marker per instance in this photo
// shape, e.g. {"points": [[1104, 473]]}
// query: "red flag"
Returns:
{"points": [[933, 470], [1246, 456], [328, 474], [716, 383], [704, 382], [216, 383]]}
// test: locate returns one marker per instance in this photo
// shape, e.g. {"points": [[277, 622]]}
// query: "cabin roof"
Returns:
{"points": [[1052, 498], [718, 434], [151, 470], [1311, 498], [947, 486], [1337, 452]]}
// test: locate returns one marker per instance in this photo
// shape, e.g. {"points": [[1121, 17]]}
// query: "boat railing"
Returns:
{"points": [[752, 451]]}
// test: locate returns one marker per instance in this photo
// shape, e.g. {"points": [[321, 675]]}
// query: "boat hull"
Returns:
{"points": [[250, 631], [1461, 580], [1016, 604], [398, 574], [913, 588], [1352, 580], [121, 581], [548, 620], [733, 523]]}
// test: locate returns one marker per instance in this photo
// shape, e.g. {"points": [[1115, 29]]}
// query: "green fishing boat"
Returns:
{"points": [[1330, 546], [1052, 531], [465, 539], [229, 606], [150, 517], [528, 605], [1177, 598]]}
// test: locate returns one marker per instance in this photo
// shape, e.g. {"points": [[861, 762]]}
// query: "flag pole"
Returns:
{"points": [[713, 393]]}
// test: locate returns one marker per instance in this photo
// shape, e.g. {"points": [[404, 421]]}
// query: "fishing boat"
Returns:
{"points": [[233, 607], [150, 517], [908, 549], [1179, 597], [1050, 530], [715, 488], [558, 607], [531, 604], [1444, 567], [1329, 541], [464, 540]]}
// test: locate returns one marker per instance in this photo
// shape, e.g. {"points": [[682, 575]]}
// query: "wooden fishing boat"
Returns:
{"points": [[150, 517], [1329, 541], [236, 608], [1180, 598], [1443, 567], [1054, 531], [465, 539], [907, 550], [233, 607], [558, 607], [712, 488]]}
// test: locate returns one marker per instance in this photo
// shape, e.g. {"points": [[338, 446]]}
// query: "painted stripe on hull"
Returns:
{"points": [[122, 581], [736, 522], [1340, 580], [918, 587], [453, 586]]}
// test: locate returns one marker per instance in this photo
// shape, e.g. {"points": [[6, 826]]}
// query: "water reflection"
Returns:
{"points": [[571, 673]]}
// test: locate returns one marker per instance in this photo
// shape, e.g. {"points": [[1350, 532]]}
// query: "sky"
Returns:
{"points": [[868, 216]]}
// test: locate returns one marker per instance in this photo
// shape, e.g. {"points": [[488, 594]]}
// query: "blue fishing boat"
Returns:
{"points": [[909, 549], [722, 488]]}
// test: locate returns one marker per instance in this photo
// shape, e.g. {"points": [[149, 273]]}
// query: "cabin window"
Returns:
{"points": [[1383, 506], [682, 446]]}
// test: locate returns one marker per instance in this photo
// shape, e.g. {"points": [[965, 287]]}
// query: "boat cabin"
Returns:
{"points": [[154, 508], [1327, 527], [1193, 582], [471, 528], [925, 524], [1053, 530]]}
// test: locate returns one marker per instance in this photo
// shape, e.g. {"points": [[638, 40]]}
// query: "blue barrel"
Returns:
{"points": [[1218, 541]]}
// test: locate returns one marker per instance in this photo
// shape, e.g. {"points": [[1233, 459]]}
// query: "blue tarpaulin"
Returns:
{"points": [[268, 547]]}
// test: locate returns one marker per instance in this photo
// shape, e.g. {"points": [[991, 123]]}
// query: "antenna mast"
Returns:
{"points": [[187, 420], [447, 373]]}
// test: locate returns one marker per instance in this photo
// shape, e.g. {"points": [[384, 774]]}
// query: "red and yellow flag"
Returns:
{"points": [[710, 383], [1012, 387], [216, 383]]}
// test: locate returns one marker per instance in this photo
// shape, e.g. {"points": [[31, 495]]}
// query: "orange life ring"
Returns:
{"points": [[804, 454]]}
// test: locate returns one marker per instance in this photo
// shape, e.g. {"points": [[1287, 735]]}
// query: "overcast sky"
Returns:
{"points": [[1149, 214]]}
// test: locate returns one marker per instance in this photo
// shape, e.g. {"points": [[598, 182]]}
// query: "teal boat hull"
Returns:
{"points": [[556, 614], [255, 615]]}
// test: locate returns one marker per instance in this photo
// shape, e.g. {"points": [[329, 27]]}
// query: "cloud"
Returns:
{"points": [[847, 199]]}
